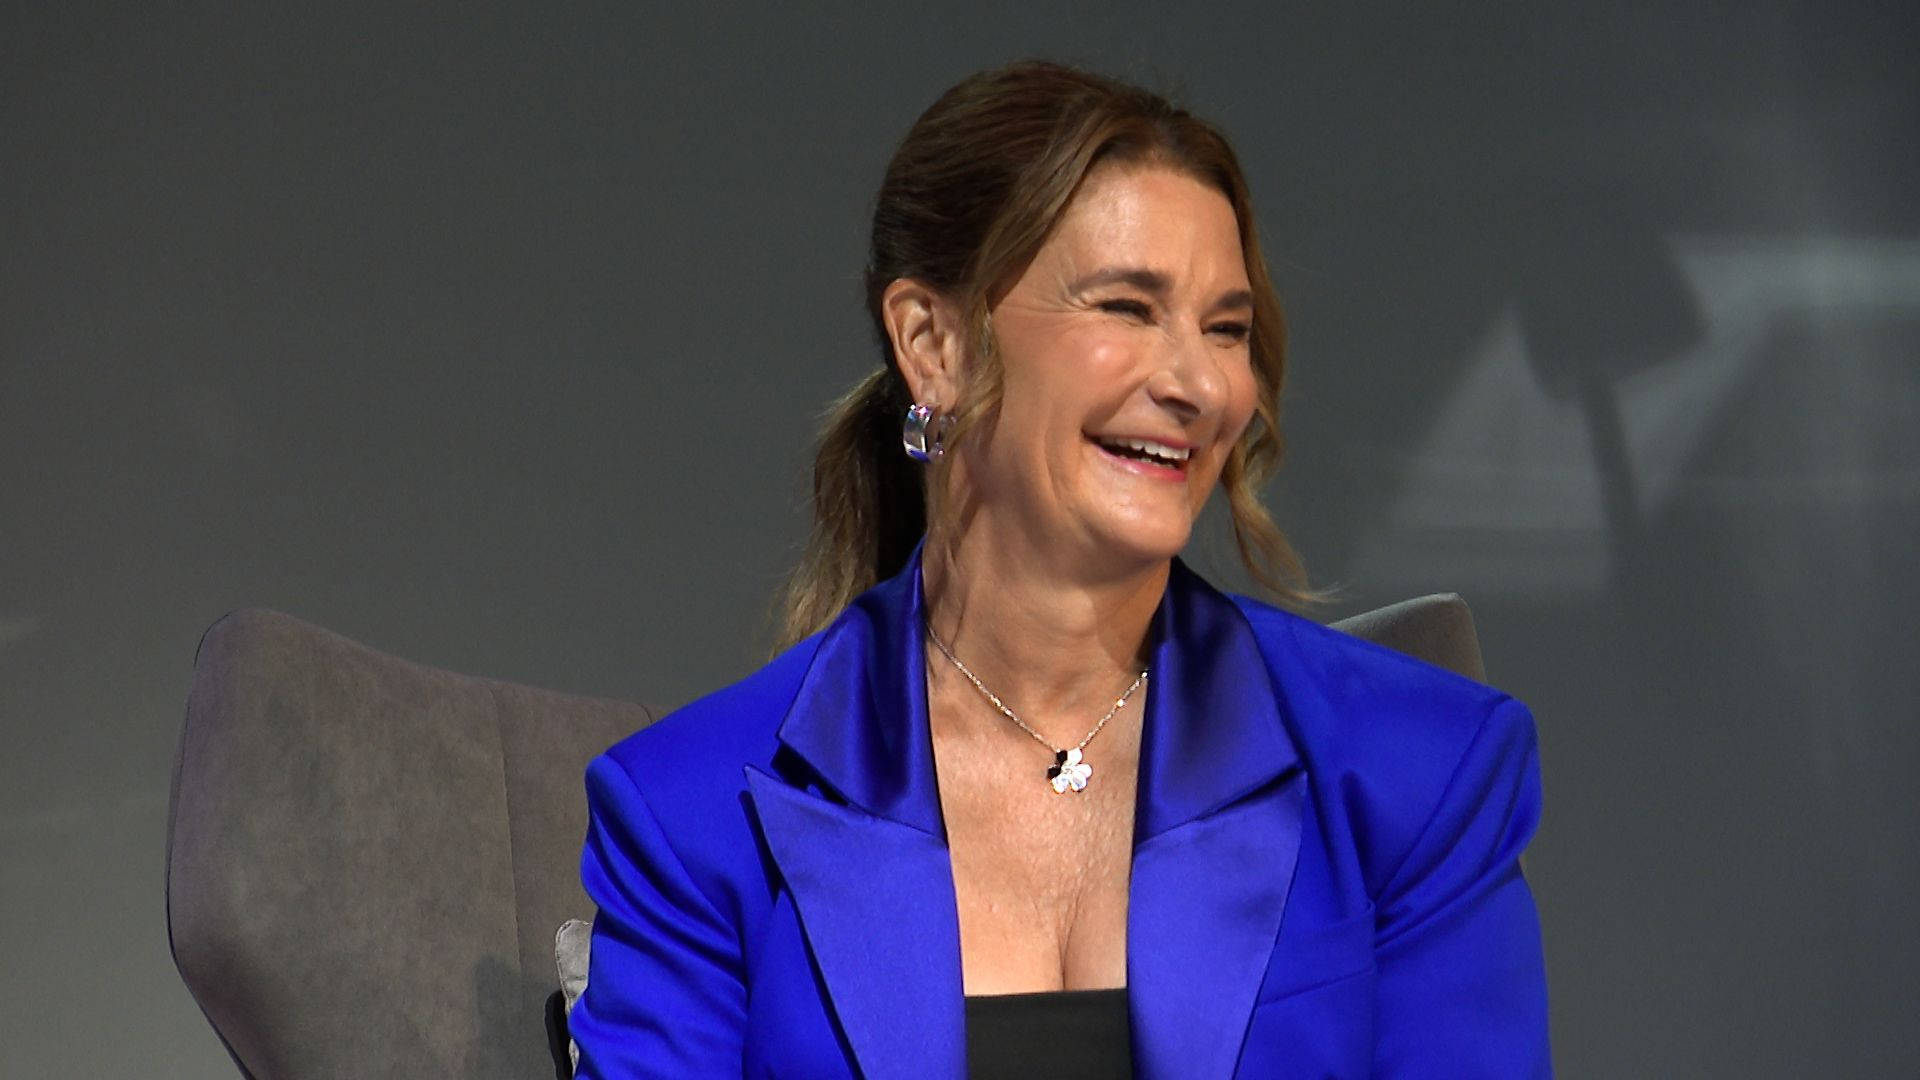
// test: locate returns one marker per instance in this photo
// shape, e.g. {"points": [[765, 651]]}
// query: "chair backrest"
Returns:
{"points": [[1438, 629], [368, 859]]}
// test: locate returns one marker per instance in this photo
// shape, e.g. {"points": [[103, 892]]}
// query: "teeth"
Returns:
{"points": [[1148, 446]]}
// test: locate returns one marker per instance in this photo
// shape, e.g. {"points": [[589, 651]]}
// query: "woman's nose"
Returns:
{"points": [[1189, 379]]}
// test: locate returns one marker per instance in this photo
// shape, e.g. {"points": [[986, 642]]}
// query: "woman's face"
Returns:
{"points": [[1128, 377]]}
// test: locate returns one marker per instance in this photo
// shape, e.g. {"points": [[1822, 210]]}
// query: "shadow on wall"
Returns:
{"points": [[1708, 531], [1558, 448]]}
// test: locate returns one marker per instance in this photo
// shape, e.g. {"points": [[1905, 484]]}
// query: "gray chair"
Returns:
{"points": [[367, 859]]}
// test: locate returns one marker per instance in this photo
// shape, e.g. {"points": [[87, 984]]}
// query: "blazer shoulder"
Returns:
{"points": [[1359, 675], [682, 778], [1386, 737]]}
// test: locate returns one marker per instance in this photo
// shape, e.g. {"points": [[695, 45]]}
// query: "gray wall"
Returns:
{"points": [[494, 336]]}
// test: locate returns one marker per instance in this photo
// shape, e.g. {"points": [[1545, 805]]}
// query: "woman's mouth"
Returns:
{"points": [[1149, 455]]}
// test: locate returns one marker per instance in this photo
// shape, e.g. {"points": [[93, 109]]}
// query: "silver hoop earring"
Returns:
{"points": [[925, 433]]}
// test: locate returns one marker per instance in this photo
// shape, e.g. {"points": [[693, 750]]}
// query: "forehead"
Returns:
{"points": [[1157, 217]]}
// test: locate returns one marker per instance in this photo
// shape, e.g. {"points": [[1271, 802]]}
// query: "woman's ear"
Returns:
{"points": [[924, 327]]}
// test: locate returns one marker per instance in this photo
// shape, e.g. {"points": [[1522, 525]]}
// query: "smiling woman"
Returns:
{"points": [[1022, 795]]}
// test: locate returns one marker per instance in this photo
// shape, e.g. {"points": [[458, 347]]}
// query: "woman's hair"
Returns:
{"points": [[968, 199]]}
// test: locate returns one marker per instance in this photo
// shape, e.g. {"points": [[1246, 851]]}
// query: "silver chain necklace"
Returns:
{"points": [[1069, 772]]}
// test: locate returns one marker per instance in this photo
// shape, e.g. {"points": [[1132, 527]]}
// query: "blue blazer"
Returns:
{"points": [[1325, 882]]}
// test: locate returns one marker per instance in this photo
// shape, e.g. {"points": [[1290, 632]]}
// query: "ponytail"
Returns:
{"points": [[869, 506]]}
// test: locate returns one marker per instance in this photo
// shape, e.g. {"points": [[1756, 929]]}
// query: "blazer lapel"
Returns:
{"points": [[854, 827], [1217, 834], [875, 899]]}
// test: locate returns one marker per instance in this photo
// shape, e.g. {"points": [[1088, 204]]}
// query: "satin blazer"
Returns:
{"points": [[1325, 880]]}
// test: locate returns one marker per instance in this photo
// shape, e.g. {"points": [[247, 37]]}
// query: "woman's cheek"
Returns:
{"points": [[1108, 355]]}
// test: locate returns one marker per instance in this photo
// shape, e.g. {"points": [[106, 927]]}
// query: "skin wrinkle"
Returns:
{"points": [[1050, 554]]}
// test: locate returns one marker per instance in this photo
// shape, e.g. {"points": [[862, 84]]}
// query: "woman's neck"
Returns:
{"points": [[1055, 647]]}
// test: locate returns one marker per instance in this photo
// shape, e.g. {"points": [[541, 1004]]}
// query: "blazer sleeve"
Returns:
{"points": [[1462, 981], [665, 995]]}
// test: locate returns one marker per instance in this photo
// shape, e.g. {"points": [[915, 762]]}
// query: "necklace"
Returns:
{"points": [[1069, 772]]}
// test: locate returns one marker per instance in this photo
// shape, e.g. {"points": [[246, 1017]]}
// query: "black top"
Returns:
{"points": [[1059, 1034]]}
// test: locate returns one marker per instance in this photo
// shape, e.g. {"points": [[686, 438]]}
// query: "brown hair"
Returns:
{"points": [[968, 199]]}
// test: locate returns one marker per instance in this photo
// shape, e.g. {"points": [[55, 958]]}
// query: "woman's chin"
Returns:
{"points": [[1137, 549]]}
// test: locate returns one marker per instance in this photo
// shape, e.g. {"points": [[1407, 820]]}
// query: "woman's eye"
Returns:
{"points": [[1132, 308], [1236, 331]]}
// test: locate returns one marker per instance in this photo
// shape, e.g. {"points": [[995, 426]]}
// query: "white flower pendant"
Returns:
{"points": [[1069, 773]]}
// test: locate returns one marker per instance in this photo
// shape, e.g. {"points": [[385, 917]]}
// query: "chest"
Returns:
{"points": [[1040, 878]]}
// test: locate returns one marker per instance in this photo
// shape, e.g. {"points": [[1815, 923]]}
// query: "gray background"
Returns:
{"points": [[494, 336]]}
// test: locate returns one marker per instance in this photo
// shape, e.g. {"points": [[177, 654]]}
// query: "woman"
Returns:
{"points": [[1028, 797]]}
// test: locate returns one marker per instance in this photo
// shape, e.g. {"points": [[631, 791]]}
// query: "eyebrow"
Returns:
{"points": [[1154, 283]]}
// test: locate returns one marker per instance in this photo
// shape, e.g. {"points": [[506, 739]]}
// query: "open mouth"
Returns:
{"points": [[1147, 451]]}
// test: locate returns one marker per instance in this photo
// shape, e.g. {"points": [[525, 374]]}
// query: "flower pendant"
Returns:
{"points": [[1069, 773]]}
